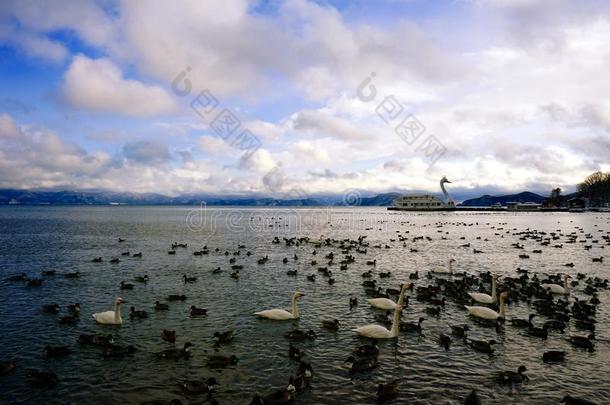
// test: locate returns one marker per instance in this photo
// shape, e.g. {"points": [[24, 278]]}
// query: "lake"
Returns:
{"points": [[66, 239]]}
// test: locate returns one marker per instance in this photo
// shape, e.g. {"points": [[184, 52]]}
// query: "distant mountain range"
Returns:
{"points": [[488, 200], [96, 197]]}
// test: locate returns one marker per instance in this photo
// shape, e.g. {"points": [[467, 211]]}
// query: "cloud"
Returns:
{"points": [[8, 128], [321, 124], [98, 85], [147, 152]]}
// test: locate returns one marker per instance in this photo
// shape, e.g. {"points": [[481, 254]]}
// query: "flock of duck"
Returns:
{"points": [[483, 297]]}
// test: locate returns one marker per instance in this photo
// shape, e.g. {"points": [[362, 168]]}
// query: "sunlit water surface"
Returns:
{"points": [[33, 239]]}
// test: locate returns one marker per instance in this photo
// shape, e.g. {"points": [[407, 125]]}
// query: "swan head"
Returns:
{"points": [[492, 342], [119, 301], [444, 180], [187, 345], [521, 369], [420, 320], [298, 294], [504, 294]]}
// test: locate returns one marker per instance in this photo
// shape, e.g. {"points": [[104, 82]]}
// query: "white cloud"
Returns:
{"points": [[8, 128], [98, 85]]}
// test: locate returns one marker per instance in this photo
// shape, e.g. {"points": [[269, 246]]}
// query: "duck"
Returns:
{"points": [[176, 353], [523, 323], [198, 311], [331, 325], [444, 270], [279, 397], [511, 377], [570, 400], [51, 308], [488, 313], [219, 361], [56, 351], [133, 314], [142, 279], [553, 356], [386, 303], [411, 327], [444, 341], [168, 335], [482, 345], [224, 337], [542, 332], [298, 334], [126, 286], [294, 352], [74, 309], [472, 398], [556, 288], [42, 379], [161, 307], [281, 314], [379, 332], [6, 367], [482, 298], [459, 330], [199, 386], [110, 317], [353, 302], [433, 311], [367, 350], [176, 297], [361, 364], [96, 340], [387, 391], [117, 351], [584, 342]]}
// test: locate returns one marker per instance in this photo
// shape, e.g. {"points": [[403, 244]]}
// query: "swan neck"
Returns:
{"points": [[450, 266], [295, 308], [117, 312], [565, 284], [401, 298], [502, 306], [394, 331], [493, 288]]}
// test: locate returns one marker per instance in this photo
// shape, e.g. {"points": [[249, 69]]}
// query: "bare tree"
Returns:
{"points": [[596, 187]]}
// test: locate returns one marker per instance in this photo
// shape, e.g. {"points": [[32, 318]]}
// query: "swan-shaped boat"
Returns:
{"points": [[379, 332], [556, 288], [386, 303], [281, 314], [444, 270], [483, 298], [110, 317], [488, 313]]}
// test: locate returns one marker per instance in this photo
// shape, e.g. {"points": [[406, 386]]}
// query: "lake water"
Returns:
{"points": [[33, 239]]}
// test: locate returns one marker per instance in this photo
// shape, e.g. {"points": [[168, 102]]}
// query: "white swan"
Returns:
{"points": [[444, 270], [110, 317], [388, 304], [483, 298], [379, 332], [556, 288], [488, 313], [281, 314]]}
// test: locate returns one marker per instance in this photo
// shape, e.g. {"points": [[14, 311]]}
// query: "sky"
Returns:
{"points": [[294, 98]]}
